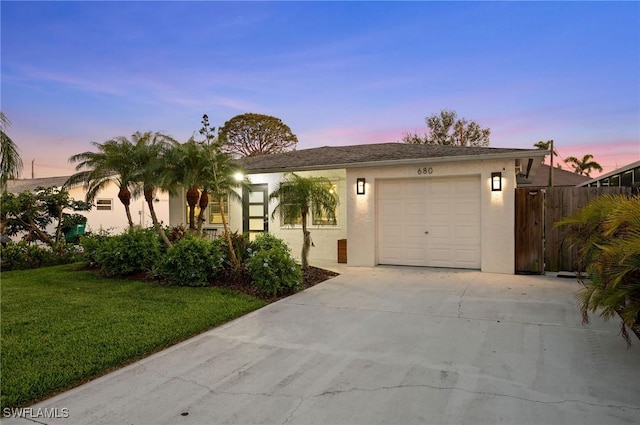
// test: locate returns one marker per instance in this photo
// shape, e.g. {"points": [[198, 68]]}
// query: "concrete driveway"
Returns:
{"points": [[383, 345]]}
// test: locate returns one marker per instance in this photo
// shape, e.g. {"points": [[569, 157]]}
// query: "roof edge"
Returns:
{"points": [[505, 155]]}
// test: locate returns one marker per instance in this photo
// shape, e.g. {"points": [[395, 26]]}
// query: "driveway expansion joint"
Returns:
{"points": [[486, 393]]}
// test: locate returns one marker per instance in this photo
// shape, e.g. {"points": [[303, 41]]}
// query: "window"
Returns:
{"points": [[615, 180], [297, 221], [103, 204], [284, 210], [319, 218], [627, 179], [214, 211]]}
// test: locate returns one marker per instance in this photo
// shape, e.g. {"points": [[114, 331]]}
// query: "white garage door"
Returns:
{"points": [[429, 222]]}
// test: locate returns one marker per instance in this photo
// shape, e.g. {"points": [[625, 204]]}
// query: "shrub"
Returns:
{"points": [[191, 261], [22, 256], [241, 246], [271, 267], [90, 244], [130, 252], [267, 241], [175, 233], [65, 253], [607, 234], [220, 245]]}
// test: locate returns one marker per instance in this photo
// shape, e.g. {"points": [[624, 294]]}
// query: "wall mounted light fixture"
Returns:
{"points": [[360, 181], [496, 182]]}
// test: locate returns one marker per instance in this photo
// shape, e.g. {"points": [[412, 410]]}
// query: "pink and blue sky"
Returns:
{"points": [[337, 73]]}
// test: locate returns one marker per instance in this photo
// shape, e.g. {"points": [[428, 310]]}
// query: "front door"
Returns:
{"points": [[255, 210]]}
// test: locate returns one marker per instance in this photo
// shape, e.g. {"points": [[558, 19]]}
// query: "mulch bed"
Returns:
{"points": [[311, 277]]}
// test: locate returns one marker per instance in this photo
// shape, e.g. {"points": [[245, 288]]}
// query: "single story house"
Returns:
{"points": [[400, 204]]}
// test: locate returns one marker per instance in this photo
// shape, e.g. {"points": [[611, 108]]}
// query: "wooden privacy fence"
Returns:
{"points": [[540, 246]]}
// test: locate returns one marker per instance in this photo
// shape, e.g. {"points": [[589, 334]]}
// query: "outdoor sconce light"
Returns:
{"points": [[360, 185], [496, 182]]}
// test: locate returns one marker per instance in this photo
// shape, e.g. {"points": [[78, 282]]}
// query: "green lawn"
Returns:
{"points": [[61, 326]]}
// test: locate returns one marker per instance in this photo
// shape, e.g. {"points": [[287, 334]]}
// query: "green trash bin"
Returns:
{"points": [[74, 234]]}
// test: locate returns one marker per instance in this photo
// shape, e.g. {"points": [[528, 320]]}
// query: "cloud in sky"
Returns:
{"points": [[335, 72]]}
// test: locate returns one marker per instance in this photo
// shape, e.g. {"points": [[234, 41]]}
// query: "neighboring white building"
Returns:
{"points": [[627, 176], [418, 205], [107, 213]]}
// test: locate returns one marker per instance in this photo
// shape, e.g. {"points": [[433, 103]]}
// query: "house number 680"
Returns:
{"points": [[425, 170]]}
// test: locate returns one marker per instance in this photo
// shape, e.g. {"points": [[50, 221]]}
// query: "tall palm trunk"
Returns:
{"points": [[227, 235], [59, 226], [3, 222], [125, 197], [203, 204], [306, 241], [148, 196], [192, 200]]}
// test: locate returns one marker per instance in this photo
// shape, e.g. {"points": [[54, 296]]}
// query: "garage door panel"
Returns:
{"points": [[440, 187], [439, 233], [440, 254], [466, 186], [415, 255], [468, 209], [390, 232], [391, 254], [389, 208], [390, 191], [466, 255], [415, 208], [439, 207]]}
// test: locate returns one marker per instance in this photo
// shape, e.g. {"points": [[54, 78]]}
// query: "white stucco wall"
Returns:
{"points": [[325, 238], [115, 220], [497, 209]]}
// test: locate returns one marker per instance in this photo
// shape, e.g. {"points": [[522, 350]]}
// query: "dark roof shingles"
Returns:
{"points": [[340, 156], [560, 178], [17, 186]]}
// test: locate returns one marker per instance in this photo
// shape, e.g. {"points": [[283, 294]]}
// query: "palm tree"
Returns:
{"points": [[114, 161], [204, 169], [607, 234], [297, 196], [221, 181], [548, 146], [150, 162], [583, 166], [10, 161], [188, 164]]}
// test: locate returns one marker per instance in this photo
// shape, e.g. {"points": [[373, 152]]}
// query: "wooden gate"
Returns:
{"points": [[539, 243], [529, 231]]}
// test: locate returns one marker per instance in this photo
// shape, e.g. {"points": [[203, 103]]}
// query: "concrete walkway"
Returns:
{"points": [[383, 345]]}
